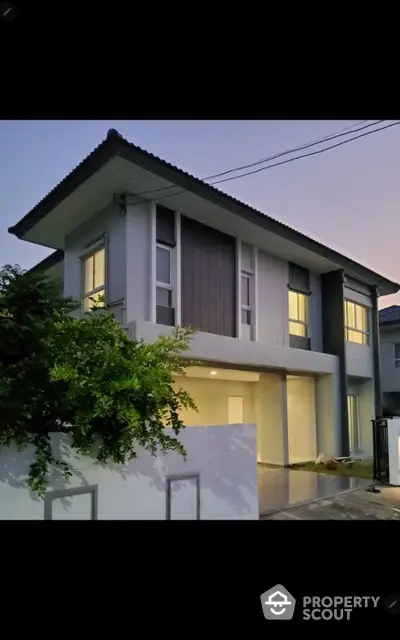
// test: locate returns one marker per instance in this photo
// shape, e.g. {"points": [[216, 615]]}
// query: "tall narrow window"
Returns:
{"points": [[165, 248], [397, 355], [246, 298], [298, 314], [163, 277], [94, 278], [356, 323], [354, 424]]}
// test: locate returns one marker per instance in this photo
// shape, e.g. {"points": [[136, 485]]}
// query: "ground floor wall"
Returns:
{"points": [[364, 390], [301, 418], [214, 400], [297, 416], [328, 417], [218, 480]]}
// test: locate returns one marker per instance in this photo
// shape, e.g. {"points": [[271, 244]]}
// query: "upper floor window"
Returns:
{"points": [[246, 298], [94, 278], [165, 252], [356, 323], [298, 314], [163, 276], [397, 355]]}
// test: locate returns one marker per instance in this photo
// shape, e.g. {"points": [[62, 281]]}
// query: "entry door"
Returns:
{"points": [[235, 410], [354, 424]]}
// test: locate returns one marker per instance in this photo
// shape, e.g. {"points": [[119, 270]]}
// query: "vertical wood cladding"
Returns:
{"points": [[333, 333], [208, 279]]}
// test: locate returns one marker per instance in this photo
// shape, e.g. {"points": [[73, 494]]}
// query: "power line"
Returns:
{"points": [[305, 155], [330, 136], [313, 143]]}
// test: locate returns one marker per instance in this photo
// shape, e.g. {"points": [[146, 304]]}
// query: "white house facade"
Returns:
{"points": [[389, 325], [288, 333]]}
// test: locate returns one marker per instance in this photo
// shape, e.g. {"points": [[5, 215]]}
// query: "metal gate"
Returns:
{"points": [[381, 449]]}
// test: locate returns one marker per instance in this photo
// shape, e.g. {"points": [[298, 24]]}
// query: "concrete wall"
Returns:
{"points": [[359, 357], [272, 300], [365, 391], [211, 398], [301, 419], [243, 352], [271, 419], [315, 313], [272, 303], [106, 221], [390, 376], [138, 262], [328, 414], [224, 457]]}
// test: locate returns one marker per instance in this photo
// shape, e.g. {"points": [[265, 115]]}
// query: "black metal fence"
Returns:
{"points": [[381, 449]]}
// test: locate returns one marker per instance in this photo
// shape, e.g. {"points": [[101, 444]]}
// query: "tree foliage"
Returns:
{"points": [[82, 376]]}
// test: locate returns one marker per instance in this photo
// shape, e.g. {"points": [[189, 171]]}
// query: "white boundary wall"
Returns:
{"points": [[221, 460]]}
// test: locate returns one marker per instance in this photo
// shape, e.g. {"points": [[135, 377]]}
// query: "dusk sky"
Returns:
{"points": [[347, 198]]}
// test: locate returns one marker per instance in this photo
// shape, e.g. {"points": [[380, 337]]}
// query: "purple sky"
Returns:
{"points": [[347, 198]]}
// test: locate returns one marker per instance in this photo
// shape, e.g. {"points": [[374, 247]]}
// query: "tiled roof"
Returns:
{"points": [[115, 144], [389, 314]]}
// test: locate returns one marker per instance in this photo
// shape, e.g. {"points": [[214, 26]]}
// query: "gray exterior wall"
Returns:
{"points": [[131, 269], [390, 375], [108, 222], [359, 357]]}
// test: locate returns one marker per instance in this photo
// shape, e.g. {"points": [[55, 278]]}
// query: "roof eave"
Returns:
{"points": [[49, 262], [114, 144]]}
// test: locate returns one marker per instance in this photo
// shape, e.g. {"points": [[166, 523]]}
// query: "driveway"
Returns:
{"points": [[356, 505], [281, 488]]}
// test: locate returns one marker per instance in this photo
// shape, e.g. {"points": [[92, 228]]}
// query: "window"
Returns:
{"points": [[356, 323], [94, 278], [298, 312], [354, 424], [246, 298], [163, 277], [397, 355]]}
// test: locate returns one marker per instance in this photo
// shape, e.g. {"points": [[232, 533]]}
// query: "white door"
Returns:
{"points": [[235, 409]]}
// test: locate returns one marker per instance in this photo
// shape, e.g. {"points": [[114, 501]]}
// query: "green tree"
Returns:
{"points": [[84, 377]]}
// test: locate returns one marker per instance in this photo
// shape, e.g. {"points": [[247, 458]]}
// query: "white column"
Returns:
{"points": [[394, 451], [178, 253], [285, 430], [153, 263], [255, 295], [238, 289]]}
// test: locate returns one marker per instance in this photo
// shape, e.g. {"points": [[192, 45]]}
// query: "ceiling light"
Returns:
{"points": [[213, 373]]}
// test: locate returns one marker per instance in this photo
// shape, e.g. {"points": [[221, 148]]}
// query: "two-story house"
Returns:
{"points": [[389, 324], [288, 331]]}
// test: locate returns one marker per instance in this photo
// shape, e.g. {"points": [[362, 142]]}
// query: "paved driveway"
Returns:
{"points": [[283, 488], [356, 505]]}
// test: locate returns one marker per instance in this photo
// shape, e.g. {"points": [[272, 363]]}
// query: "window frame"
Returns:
{"points": [[366, 335], [164, 285], [296, 320], [248, 308], [396, 358], [99, 246]]}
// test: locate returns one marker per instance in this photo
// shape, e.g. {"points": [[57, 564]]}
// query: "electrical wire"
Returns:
{"points": [[307, 145], [312, 153], [305, 155]]}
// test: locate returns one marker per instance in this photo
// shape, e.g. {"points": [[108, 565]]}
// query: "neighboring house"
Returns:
{"points": [[389, 324], [287, 328]]}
